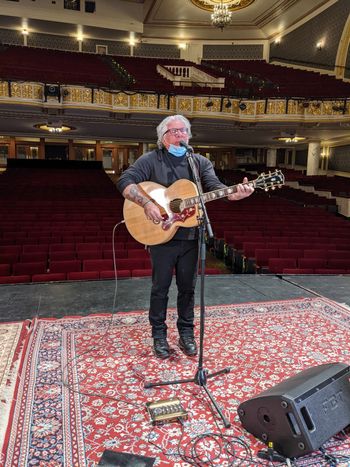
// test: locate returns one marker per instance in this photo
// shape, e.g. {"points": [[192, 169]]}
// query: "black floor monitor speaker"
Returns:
{"points": [[302, 412]]}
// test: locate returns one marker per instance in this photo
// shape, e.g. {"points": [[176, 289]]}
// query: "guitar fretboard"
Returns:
{"points": [[211, 195]]}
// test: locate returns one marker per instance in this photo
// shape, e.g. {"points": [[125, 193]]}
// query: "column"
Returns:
{"points": [[286, 156], [98, 151], [12, 148], [294, 152], [313, 158], [42, 148], [70, 150], [271, 157]]}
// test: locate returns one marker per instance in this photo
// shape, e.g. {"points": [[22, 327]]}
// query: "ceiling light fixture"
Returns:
{"points": [[54, 127], [221, 9], [221, 15], [290, 139]]}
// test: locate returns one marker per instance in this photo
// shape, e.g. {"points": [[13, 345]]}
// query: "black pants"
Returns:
{"points": [[181, 255]]}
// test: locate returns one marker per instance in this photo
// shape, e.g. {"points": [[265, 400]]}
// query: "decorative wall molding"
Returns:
{"points": [[273, 110]]}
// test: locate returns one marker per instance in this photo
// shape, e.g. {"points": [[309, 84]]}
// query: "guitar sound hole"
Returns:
{"points": [[175, 205]]}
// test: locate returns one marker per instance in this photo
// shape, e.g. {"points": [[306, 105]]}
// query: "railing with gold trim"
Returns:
{"points": [[99, 99]]}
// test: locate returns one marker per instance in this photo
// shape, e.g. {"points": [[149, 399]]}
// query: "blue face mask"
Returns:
{"points": [[177, 151]]}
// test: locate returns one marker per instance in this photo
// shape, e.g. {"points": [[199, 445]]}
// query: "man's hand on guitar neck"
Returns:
{"points": [[244, 189]]}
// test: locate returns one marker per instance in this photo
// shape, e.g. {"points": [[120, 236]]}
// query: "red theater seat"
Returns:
{"points": [[110, 274], [59, 276], [83, 276], [89, 254], [5, 269], [141, 272], [276, 265], [32, 257], [20, 269], [338, 263], [330, 271], [11, 249], [73, 265], [15, 279], [8, 258], [312, 263], [62, 255], [97, 265], [108, 254], [35, 248], [62, 246], [88, 246], [298, 271]]}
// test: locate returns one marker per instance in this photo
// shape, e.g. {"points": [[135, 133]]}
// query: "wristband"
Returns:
{"points": [[148, 201]]}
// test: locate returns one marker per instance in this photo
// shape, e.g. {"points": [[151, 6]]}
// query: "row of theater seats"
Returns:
{"points": [[274, 260], [293, 83], [74, 269], [77, 269], [256, 77], [269, 226], [57, 224]]}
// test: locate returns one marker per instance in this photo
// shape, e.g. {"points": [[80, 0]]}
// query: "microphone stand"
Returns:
{"points": [[202, 375]]}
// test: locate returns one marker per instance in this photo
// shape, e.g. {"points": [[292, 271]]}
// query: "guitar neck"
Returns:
{"points": [[212, 195]]}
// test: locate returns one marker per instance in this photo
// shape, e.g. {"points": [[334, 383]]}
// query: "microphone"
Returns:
{"points": [[187, 146]]}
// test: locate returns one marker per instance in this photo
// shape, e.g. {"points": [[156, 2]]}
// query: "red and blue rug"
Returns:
{"points": [[81, 383]]}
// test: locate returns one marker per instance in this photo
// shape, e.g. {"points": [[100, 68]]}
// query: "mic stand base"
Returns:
{"points": [[200, 378]]}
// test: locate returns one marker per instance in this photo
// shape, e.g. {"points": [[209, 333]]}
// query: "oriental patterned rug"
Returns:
{"points": [[12, 337], [81, 386]]}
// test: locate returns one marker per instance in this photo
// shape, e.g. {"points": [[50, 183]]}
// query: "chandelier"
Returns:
{"points": [[221, 15], [221, 9]]}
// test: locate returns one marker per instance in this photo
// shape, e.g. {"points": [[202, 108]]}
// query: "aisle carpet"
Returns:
{"points": [[81, 383]]}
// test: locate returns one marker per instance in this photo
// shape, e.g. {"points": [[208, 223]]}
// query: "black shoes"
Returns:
{"points": [[188, 345], [161, 347]]}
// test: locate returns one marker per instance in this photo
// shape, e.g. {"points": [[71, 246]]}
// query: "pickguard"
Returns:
{"points": [[177, 217]]}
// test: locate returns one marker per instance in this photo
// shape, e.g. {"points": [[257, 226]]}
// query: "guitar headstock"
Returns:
{"points": [[270, 180]]}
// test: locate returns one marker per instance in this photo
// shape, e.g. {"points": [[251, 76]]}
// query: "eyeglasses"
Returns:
{"points": [[175, 131]]}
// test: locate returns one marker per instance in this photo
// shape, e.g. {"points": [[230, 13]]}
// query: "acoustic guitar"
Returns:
{"points": [[179, 206]]}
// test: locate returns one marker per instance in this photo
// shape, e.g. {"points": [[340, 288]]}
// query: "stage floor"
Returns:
{"points": [[57, 299]]}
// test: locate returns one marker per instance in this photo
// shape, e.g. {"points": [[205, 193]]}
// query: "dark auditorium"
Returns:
{"points": [[175, 233]]}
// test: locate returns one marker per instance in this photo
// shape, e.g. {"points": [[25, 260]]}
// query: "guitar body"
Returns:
{"points": [[149, 233]]}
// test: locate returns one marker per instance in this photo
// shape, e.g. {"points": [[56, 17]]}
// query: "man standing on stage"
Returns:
{"points": [[165, 165]]}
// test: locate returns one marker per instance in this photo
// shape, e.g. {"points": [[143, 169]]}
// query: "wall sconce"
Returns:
{"points": [[25, 32], [278, 41], [319, 45], [242, 106], [182, 46]]}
